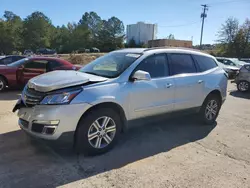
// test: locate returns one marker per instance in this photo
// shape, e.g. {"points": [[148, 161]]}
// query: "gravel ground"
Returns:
{"points": [[174, 153]]}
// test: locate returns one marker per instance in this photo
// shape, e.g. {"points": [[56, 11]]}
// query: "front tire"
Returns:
{"points": [[2, 84], [210, 109], [243, 86], [98, 131]]}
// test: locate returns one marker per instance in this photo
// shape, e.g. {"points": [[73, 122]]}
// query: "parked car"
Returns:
{"points": [[10, 59], [243, 78], [231, 71], [87, 50], [93, 106], [28, 52], [246, 60], [18, 73], [94, 49], [230, 61], [45, 51]]}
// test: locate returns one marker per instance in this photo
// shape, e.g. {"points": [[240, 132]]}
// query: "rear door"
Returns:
{"points": [[33, 68], [155, 96], [188, 81]]}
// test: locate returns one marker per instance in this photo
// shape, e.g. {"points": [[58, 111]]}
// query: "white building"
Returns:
{"points": [[141, 32]]}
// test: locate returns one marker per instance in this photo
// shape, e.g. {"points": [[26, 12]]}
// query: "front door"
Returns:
{"points": [[33, 68], [155, 96], [188, 82]]}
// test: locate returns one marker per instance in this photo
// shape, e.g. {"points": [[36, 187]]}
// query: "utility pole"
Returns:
{"points": [[203, 16]]}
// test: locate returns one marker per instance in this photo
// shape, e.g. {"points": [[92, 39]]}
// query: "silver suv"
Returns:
{"points": [[94, 105]]}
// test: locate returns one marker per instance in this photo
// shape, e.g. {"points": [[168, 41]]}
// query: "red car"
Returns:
{"points": [[18, 73]]}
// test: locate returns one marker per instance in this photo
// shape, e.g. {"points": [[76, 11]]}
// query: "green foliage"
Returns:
{"points": [[171, 37], [36, 31], [234, 39], [132, 44]]}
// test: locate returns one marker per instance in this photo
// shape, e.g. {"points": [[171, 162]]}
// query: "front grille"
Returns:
{"points": [[24, 123], [32, 97]]}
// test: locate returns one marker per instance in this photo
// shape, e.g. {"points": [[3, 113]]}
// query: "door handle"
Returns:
{"points": [[168, 85], [200, 81]]}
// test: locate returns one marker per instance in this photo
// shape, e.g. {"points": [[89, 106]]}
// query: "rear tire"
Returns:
{"points": [[243, 86], [2, 84], [92, 135], [210, 109]]}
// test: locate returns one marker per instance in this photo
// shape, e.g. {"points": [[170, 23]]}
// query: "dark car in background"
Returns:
{"points": [[10, 59], [18, 73], [243, 78], [94, 49], [28, 52], [247, 60], [45, 51]]}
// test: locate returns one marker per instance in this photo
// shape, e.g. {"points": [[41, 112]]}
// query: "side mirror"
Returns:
{"points": [[141, 75]]}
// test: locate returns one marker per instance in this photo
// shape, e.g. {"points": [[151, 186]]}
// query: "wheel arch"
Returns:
{"points": [[215, 92], [111, 105], [5, 79]]}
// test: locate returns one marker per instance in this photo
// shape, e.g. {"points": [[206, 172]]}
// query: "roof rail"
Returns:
{"points": [[170, 47]]}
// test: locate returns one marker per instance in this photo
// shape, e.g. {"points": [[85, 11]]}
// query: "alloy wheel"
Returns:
{"points": [[243, 86], [101, 132], [211, 110]]}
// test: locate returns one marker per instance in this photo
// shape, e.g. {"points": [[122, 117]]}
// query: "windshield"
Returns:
{"points": [[18, 63], [238, 62], [111, 65]]}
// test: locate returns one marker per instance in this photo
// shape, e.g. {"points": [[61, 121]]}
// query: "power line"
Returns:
{"points": [[203, 16], [223, 2], [179, 25]]}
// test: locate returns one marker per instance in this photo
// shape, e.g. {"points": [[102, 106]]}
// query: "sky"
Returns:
{"points": [[178, 17]]}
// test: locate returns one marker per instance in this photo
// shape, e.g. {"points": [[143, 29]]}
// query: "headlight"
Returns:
{"points": [[60, 98]]}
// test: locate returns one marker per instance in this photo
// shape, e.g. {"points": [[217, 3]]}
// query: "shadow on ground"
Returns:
{"points": [[27, 163], [10, 94], [244, 95]]}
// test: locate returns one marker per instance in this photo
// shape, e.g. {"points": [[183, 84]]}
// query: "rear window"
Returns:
{"points": [[205, 63], [182, 63]]}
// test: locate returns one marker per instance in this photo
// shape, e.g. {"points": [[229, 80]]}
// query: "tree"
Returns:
{"points": [[10, 28], [235, 39], [171, 37], [229, 30], [37, 31]]}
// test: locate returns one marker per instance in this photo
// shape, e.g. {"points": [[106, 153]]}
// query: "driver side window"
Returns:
{"points": [[36, 64], [155, 65]]}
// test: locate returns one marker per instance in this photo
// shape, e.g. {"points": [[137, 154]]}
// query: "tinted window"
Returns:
{"points": [[155, 65], [204, 63], [16, 58], [54, 64], [36, 64], [220, 60], [182, 63], [228, 62], [6, 60]]}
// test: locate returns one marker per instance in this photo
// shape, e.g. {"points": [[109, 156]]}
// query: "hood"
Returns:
{"points": [[231, 67], [61, 79]]}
